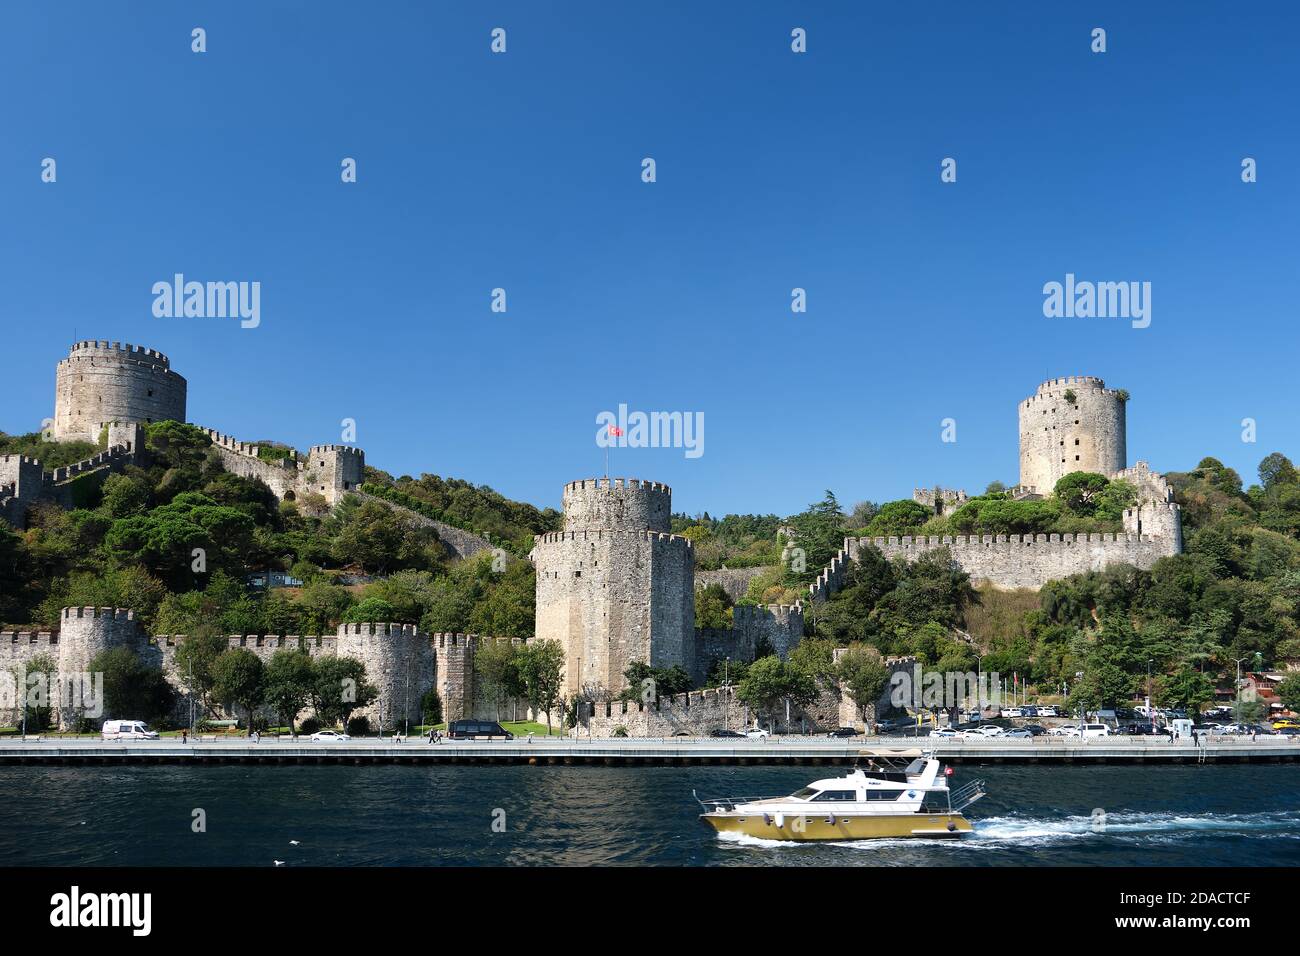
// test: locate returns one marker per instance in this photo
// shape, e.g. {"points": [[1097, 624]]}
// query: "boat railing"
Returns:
{"points": [[726, 804], [965, 795]]}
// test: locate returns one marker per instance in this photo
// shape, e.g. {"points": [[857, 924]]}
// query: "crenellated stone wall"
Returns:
{"points": [[1027, 561]]}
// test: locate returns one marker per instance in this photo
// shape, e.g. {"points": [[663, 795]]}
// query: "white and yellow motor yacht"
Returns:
{"points": [[889, 793]]}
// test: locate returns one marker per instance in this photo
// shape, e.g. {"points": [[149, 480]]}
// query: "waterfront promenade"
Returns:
{"points": [[630, 751]]}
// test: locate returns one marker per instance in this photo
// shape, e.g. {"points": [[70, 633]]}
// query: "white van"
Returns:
{"points": [[1096, 730], [128, 730]]}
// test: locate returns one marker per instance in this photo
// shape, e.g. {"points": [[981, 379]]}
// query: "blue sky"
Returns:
{"points": [[775, 171]]}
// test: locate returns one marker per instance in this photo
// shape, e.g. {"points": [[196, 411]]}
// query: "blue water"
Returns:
{"points": [[441, 816]]}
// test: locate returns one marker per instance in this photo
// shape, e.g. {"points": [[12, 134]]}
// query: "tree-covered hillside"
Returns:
{"points": [[178, 539], [1233, 594]]}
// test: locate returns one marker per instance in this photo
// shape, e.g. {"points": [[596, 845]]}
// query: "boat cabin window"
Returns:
{"points": [[806, 793], [836, 795], [916, 766]]}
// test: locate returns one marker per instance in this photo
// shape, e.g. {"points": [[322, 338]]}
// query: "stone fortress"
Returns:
{"points": [[615, 586], [401, 661], [112, 390], [1068, 424]]}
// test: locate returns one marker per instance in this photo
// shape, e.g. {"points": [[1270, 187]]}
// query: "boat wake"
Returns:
{"points": [[1018, 832]]}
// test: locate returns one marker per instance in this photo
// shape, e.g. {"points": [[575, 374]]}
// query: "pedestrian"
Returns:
{"points": [[431, 733], [185, 736]]}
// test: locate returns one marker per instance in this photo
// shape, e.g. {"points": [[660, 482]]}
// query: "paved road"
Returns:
{"points": [[686, 749]]}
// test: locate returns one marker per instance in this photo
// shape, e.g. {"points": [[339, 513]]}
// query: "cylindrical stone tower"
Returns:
{"points": [[1071, 424], [102, 382], [614, 586], [399, 662]]}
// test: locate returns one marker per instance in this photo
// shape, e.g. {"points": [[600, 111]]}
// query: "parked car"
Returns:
{"points": [[944, 732], [990, 730], [1035, 730], [843, 732], [127, 730], [1140, 729], [720, 732], [1285, 724], [1029, 710], [756, 733], [1288, 731], [1096, 730], [329, 736], [477, 729], [1011, 712], [1018, 732], [1065, 731]]}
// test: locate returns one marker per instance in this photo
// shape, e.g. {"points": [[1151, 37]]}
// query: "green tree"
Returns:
{"points": [[370, 611], [863, 675], [1288, 692], [497, 676], [713, 607], [133, 689], [1275, 469], [239, 679], [541, 667], [288, 683], [339, 688], [195, 660], [770, 681], [1079, 491]]}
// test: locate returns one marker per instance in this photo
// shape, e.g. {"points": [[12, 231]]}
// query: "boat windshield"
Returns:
{"points": [[807, 793]]}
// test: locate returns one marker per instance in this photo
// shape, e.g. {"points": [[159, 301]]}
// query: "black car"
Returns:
{"points": [[726, 733], [474, 729], [1036, 729], [843, 732]]}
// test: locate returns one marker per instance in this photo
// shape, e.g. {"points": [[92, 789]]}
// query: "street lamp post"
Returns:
{"points": [[979, 689], [1150, 715]]}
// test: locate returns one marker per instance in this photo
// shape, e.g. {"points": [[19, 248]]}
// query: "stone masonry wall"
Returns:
{"points": [[1058, 437], [1027, 561], [114, 381]]}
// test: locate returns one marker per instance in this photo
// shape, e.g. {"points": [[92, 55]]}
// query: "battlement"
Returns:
{"points": [[613, 484], [929, 495], [1054, 388], [334, 450], [28, 638], [555, 537], [110, 613], [444, 639], [113, 456], [247, 449], [1031, 560], [152, 356], [408, 631], [19, 460]]}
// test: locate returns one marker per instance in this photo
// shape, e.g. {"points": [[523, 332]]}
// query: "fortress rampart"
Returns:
{"points": [[1026, 561], [330, 471], [401, 661]]}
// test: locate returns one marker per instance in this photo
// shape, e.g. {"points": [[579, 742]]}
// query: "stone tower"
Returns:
{"points": [[101, 382], [614, 586], [1071, 424]]}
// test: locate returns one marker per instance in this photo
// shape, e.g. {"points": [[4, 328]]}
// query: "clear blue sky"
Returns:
{"points": [[775, 170]]}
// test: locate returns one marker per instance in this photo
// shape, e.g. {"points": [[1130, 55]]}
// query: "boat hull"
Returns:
{"points": [[825, 828]]}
